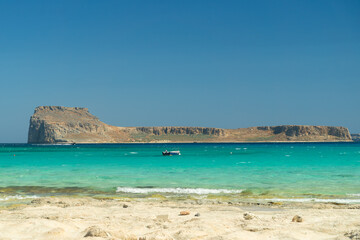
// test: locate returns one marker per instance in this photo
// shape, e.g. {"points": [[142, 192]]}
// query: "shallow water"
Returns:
{"points": [[256, 170]]}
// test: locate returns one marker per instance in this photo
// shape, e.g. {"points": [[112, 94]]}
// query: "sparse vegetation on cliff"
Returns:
{"points": [[54, 124]]}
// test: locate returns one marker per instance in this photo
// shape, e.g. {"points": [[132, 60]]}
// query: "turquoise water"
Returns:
{"points": [[259, 170]]}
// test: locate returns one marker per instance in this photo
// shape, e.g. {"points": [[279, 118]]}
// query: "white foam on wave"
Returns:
{"points": [[200, 191], [354, 195], [17, 197], [314, 200]]}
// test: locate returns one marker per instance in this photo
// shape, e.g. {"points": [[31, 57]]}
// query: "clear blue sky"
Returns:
{"points": [[225, 64]]}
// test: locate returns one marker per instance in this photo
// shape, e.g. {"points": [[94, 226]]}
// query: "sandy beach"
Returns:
{"points": [[89, 218]]}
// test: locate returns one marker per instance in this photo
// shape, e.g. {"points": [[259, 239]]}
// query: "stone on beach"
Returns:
{"points": [[353, 235], [95, 231], [197, 215], [297, 218], [249, 216], [182, 213]]}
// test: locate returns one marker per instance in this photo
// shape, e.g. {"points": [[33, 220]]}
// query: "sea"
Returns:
{"points": [[298, 172]]}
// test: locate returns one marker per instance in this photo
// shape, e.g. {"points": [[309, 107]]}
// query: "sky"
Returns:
{"points": [[226, 64]]}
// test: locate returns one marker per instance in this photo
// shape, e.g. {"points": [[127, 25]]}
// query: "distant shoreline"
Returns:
{"points": [[344, 141], [156, 143]]}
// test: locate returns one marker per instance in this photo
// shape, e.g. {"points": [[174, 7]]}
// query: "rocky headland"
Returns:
{"points": [[355, 137], [55, 124]]}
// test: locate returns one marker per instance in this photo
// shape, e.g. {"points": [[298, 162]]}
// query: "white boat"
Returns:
{"points": [[170, 153]]}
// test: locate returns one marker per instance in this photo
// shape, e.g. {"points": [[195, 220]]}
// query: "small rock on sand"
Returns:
{"points": [[51, 217], [197, 215], [248, 216], [95, 231], [125, 206], [182, 213], [353, 235], [297, 218]]}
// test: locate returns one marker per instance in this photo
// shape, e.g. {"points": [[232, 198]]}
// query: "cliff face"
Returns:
{"points": [[355, 137], [52, 124], [300, 131], [181, 130]]}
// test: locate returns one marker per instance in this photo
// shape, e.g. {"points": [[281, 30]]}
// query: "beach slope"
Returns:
{"points": [[88, 218]]}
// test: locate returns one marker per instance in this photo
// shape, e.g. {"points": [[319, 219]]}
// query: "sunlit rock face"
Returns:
{"points": [[55, 124]]}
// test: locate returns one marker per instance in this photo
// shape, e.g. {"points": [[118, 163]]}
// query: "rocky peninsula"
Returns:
{"points": [[56, 124], [355, 137]]}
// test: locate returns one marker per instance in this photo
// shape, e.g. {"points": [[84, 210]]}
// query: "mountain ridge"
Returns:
{"points": [[57, 124]]}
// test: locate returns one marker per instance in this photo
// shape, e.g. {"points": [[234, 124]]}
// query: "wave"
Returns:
{"points": [[354, 195], [17, 197], [314, 200], [200, 191]]}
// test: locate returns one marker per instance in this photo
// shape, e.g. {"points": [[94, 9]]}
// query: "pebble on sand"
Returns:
{"points": [[353, 235], [197, 215], [95, 231], [249, 216], [297, 218], [125, 206], [182, 213]]}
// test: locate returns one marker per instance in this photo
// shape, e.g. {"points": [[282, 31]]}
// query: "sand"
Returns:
{"points": [[89, 218]]}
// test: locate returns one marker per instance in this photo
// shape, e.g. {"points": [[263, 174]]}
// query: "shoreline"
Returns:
{"points": [[106, 218], [309, 201], [185, 142], [18, 193], [201, 199]]}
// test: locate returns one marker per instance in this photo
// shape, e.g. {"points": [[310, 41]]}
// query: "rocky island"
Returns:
{"points": [[56, 124], [355, 137]]}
